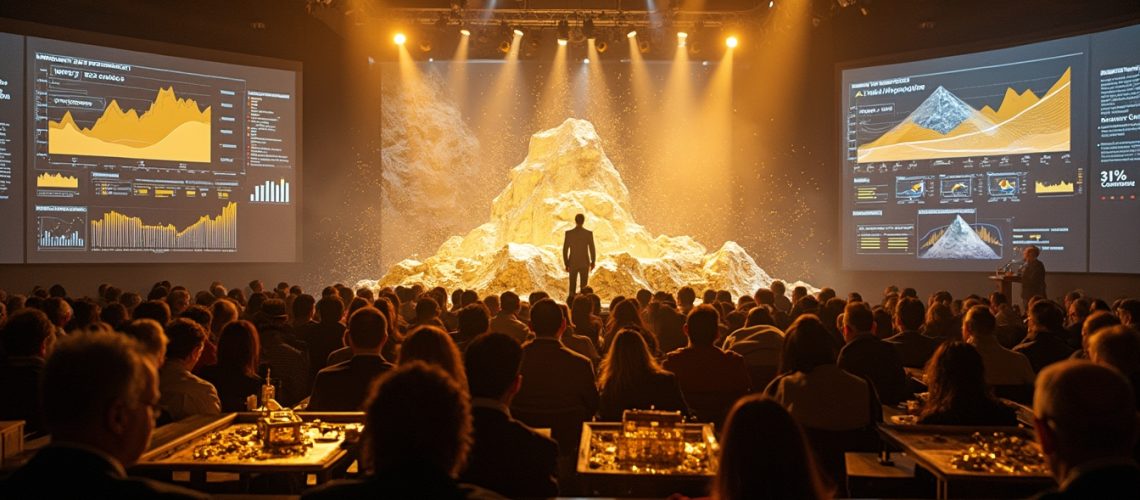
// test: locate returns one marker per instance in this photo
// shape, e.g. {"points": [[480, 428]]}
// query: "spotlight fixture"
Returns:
{"points": [[585, 61], [771, 4], [563, 31], [505, 47], [682, 38], [588, 28], [631, 34], [643, 46], [563, 41], [400, 38], [731, 42], [518, 32], [465, 32]]}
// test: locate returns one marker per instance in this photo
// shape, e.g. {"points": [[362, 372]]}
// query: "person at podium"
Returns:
{"points": [[1032, 275]]}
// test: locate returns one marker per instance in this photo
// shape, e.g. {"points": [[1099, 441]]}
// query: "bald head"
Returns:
{"points": [[1083, 412]]}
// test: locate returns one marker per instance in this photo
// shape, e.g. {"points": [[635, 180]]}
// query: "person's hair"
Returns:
{"points": [[806, 346], [1046, 314], [115, 314], [724, 296], [764, 453], [204, 298], [25, 333], [198, 314], [1034, 250], [686, 295], [708, 296], [84, 312], [330, 308], [956, 378], [777, 287], [492, 362], [223, 312], [545, 318], [1095, 321], [426, 308], [150, 337], [703, 324], [432, 345], [579, 219], [184, 337], [57, 290], [1117, 346], [910, 313], [627, 364], [760, 315], [153, 309], [473, 319], [469, 297], [1132, 307], [980, 321], [858, 317], [536, 296], [303, 306], [456, 298], [509, 302], [626, 314], [237, 295], [418, 414], [367, 328], [239, 347], [884, 322], [87, 374], [643, 297], [1091, 408], [56, 309]]}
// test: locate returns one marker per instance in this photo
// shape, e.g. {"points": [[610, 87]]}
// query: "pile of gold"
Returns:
{"points": [[694, 456], [1000, 453], [241, 443]]}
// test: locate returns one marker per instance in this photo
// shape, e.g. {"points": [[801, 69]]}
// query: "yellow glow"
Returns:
{"points": [[731, 42], [681, 35], [465, 32], [400, 38], [555, 93], [518, 32], [562, 42], [631, 34]]}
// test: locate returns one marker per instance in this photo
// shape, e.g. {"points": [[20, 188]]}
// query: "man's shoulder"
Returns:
{"points": [[508, 431]]}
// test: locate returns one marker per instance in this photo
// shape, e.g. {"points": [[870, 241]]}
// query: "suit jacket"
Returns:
{"points": [[1033, 280], [711, 379], [510, 458], [400, 482], [914, 348], [556, 378], [19, 391], [343, 386], [233, 386], [1111, 481], [578, 248], [323, 339], [874, 359], [59, 471], [1044, 348]]}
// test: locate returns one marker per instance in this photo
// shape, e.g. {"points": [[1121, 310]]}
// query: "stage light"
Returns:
{"points": [[400, 38], [601, 46], [563, 41], [425, 46], [588, 28], [643, 46], [731, 42], [771, 4], [631, 34], [518, 32], [563, 31], [682, 38], [505, 47], [465, 32], [585, 61]]}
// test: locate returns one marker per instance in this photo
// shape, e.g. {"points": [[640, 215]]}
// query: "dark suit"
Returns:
{"points": [[19, 391], [66, 472], [510, 458], [876, 360], [1044, 348], [914, 348], [558, 391], [1108, 482], [578, 255], [659, 391], [400, 482], [1033, 280], [343, 386], [233, 386], [323, 339]]}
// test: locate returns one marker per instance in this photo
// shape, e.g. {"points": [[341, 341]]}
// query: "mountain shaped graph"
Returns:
{"points": [[959, 241], [945, 126]]}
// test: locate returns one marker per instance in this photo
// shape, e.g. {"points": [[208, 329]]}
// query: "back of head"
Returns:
{"points": [[765, 296], [153, 309], [858, 318], [184, 338], [426, 308], [303, 306], [708, 296], [627, 363], [806, 346], [330, 308], [703, 325], [1046, 315], [27, 333], [492, 362], [580, 219], [536, 296], [724, 296], [1119, 347], [417, 415], [764, 454], [114, 314], [910, 313], [57, 310], [582, 307], [198, 314], [434, 346], [826, 294], [150, 336], [1089, 410], [474, 319], [760, 316], [85, 376], [1129, 311], [509, 302], [1096, 321], [643, 297], [979, 322], [367, 328], [777, 287], [469, 297], [239, 346], [686, 296], [222, 311], [545, 318], [956, 377]]}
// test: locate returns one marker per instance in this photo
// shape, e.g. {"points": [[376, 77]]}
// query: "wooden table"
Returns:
{"points": [[931, 447]]}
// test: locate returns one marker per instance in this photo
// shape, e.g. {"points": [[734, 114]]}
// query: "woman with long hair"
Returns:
{"points": [[958, 394], [235, 374], [631, 379], [583, 316], [940, 323], [765, 455], [627, 316], [433, 346]]}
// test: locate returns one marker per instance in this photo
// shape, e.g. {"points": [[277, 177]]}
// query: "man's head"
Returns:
{"points": [[979, 322], [1083, 413], [185, 341], [910, 314], [304, 305], [1129, 312], [153, 309], [1031, 253], [58, 311], [367, 330], [857, 319], [474, 320], [765, 296], [99, 390], [760, 315], [546, 319], [492, 363], [509, 302], [579, 219], [702, 325], [686, 296], [777, 287], [1118, 347], [426, 308], [27, 333], [418, 414], [150, 336], [1046, 315], [178, 300]]}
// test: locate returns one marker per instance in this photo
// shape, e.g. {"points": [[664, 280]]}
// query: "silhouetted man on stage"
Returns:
{"points": [[578, 254]]}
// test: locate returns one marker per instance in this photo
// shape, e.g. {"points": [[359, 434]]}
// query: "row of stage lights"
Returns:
{"points": [[730, 41]]}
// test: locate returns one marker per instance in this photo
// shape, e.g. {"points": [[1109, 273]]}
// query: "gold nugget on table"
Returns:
{"points": [[651, 442], [1000, 453]]}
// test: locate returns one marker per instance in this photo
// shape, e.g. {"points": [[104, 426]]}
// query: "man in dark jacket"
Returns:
{"points": [[342, 387], [914, 348], [25, 340], [870, 357], [507, 457], [578, 254], [1032, 275], [1045, 344]]}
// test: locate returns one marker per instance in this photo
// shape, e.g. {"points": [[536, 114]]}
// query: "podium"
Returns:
{"points": [[1005, 283]]}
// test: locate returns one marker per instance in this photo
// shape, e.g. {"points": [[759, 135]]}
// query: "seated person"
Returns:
{"points": [[555, 378], [182, 393], [870, 357], [1085, 417], [343, 386], [507, 457], [100, 397], [235, 374], [958, 391], [711, 379], [1003, 367], [418, 434], [507, 321], [914, 348], [24, 339], [1046, 342], [631, 379], [473, 321], [1118, 347]]}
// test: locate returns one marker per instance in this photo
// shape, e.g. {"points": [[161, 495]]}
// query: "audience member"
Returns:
{"points": [[151, 338], [326, 335], [182, 393], [868, 356], [780, 300], [287, 367], [584, 318], [473, 321], [433, 346], [1129, 312], [235, 374], [1045, 344], [507, 321], [575, 342], [1008, 372], [418, 435], [710, 379], [630, 379], [914, 348], [1118, 347], [343, 386], [1093, 323], [958, 392], [99, 400], [626, 316], [760, 342], [507, 456], [25, 340], [153, 309], [1085, 417]]}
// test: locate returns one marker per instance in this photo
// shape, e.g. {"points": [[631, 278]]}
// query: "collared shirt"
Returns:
{"points": [[508, 324], [184, 394], [1003, 366]]}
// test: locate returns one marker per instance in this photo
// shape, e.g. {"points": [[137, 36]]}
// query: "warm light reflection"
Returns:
{"points": [[400, 38], [731, 42]]}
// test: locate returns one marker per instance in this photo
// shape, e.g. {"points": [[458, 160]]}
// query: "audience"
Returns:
{"points": [[507, 321], [631, 379], [1093, 323], [182, 393], [710, 379], [325, 335], [914, 348], [764, 454], [1086, 423], [288, 367], [580, 344], [343, 386], [99, 399], [1045, 344], [25, 340], [235, 374], [958, 394], [870, 357], [507, 456]]}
